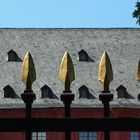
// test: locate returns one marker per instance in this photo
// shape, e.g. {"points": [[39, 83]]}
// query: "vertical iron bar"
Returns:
{"points": [[67, 115], [106, 98], [28, 97], [106, 114], [67, 98], [28, 117], [67, 110], [106, 109]]}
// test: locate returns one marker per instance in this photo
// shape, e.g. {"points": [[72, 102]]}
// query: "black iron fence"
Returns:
{"points": [[68, 124]]}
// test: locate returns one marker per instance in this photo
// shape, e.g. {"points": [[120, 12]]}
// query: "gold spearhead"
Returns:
{"points": [[138, 72], [66, 73], [28, 71], [105, 73]]}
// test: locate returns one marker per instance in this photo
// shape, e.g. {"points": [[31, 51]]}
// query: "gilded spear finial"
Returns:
{"points": [[105, 73], [66, 73], [28, 71], [138, 72]]}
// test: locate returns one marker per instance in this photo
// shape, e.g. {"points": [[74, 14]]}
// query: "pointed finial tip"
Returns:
{"points": [[27, 53], [138, 72], [28, 71], [66, 73], [105, 73], [66, 53], [105, 53]]}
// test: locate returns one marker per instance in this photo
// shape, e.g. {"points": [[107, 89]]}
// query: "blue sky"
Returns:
{"points": [[67, 13]]}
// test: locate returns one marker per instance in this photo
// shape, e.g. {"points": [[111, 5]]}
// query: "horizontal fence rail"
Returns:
{"points": [[75, 125]]}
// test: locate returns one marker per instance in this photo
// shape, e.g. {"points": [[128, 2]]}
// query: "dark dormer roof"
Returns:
{"points": [[84, 93], [46, 87], [122, 93], [46, 92], [83, 55], [9, 92], [12, 56], [121, 87]]}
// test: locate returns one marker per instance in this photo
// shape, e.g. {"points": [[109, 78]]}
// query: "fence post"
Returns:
{"points": [[67, 75], [28, 77], [106, 98], [67, 99], [28, 97], [105, 76]]}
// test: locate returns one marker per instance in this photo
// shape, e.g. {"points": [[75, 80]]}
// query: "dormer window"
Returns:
{"points": [[9, 92], [83, 56], [83, 92], [47, 93], [121, 92], [12, 56]]}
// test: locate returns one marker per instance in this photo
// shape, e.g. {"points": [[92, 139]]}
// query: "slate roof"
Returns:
{"points": [[47, 47]]}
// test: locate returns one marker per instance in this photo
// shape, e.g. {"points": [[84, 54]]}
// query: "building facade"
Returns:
{"points": [[85, 46]]}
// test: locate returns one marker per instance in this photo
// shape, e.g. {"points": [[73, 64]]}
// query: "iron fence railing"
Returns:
{"points": [[68, 124]]}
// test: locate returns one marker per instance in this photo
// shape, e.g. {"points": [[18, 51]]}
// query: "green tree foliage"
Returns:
{"points": [[136, 13]]}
